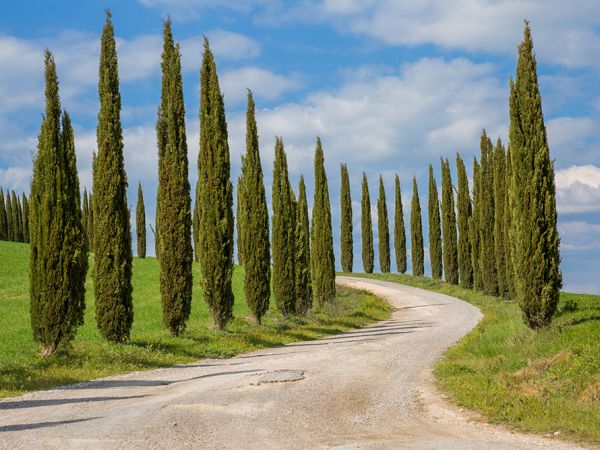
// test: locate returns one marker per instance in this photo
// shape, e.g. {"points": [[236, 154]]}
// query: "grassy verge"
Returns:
{"points": [[151, 346], [537, 381]]}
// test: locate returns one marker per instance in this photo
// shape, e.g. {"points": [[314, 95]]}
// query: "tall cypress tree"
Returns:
{"points": [[85, 212], [58, 257], [465, 264], [196, 228], [383, 229], [10, 227], [140, 223], [255, 232], [399, 231], [25, 218], [487, 247], [214, 196], [241, 211], [322, 257], [366, 227], [283, 234], [416, 233], [174, 201], [17, 217], [346, 240], [90, 224], [449, 226], [303, 287], [112, 235], [474, 236], [435, 232], [3, 223], [499, 217], [534, 235], [510, 277]]}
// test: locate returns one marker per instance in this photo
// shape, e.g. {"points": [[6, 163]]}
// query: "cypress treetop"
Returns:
{"points": [[366, 227], [346, 239], [399, 231], [416, 233], [383, 230], [435, 233]]}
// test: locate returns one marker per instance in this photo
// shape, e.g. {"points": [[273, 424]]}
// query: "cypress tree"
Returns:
{"points": [[499, 217], [112, 235], [534, 236], [140, 223], [510, 277], [435, 232], [366, 227], [283, 234], [173, 194], [17, 217], [255, 232], [10, 228], [240, 213], [449, 226], [465, 264], [3, 224], [25, 219], [196, 228], [214, 196], [322, 258], [302, 246], [416, 233], [85, 212], [399, 231], [90, 224], [474, 228], [346, 240], [58, 257], [487, 247], [383, 229]]}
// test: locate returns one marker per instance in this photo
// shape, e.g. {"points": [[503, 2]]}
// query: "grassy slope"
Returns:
{"points": [[151, 346], [544, 381]]}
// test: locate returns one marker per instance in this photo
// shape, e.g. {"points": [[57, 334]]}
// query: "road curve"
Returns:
{"points": [[368, 388]]}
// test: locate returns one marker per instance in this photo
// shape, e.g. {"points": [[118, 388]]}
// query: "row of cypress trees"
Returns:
{"points": [[14, 217]]}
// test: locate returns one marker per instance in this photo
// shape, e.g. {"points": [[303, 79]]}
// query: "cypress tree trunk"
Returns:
{"points": [[25, 219], [241, 211], [383, 230], [533, 236], [10, 227], [449, 226], [302, 247], [283, 235], [140, 223], [214, 197], [435, 233], [174, 201], [510, 276], [474, 228], [58, 257], [255, 232], [465, 263], [112, 235], [399, 231], [3, 223], [487, 255], [366, 227], [416, 233], [346, 240], [85, 212], [322, 258], [499, 217]]}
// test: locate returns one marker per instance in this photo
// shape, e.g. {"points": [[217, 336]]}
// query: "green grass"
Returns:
{"points": [[537, 381], [22, 369]]}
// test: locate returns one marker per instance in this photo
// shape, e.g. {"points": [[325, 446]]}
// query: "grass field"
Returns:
{"points": [[539, 381], [151, 346]]}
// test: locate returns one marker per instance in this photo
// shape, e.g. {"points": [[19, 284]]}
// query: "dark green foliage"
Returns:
{"points": [[383, 230], [255, 231], [533, 235], [449, 226], [90, 224], [58, 256], [17, 217], [499, 217], [510, 276], [399, 231], [240, 214], [25, 218], [284, 235], [346, 240], [10, 226], [196, 228], [302, 248], [435, 232], [465, 264], [174, 219], [322, 258], [3, 223], [474, 228], [140, 223], [416, 233], [85, 212], [112, 234], [487, 247], [366, 227], [214, 199]]}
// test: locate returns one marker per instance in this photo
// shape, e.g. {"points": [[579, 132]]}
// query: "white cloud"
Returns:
{"points": [[578, 189], [263, 83], [15, 178], [579, 236]]}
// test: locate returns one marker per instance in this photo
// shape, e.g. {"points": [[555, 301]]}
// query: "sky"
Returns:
{"points": [[389, 86]]}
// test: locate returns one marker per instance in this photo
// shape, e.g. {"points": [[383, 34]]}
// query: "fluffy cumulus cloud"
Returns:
{"points": [[578, 189]]}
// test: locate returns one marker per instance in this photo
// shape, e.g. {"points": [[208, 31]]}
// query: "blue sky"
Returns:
{"points": [[389, 86]]}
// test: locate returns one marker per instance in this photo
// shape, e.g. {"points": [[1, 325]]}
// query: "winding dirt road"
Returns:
{"points": [[368, 388]]}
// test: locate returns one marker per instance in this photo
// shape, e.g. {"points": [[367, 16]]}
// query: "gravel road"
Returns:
{"points": [[368, 388]]}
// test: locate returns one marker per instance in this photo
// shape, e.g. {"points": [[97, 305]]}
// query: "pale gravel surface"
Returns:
{"points": [[368, 388]]}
